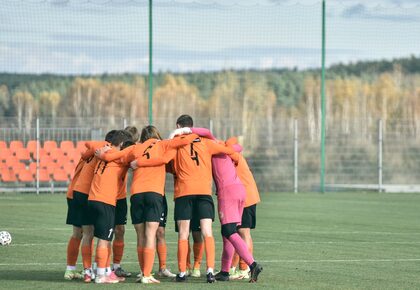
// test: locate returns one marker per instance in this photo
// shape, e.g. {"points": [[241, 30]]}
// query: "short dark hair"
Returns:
{"points": [[185, 121], [127, 143], [134, 133], [110, 135], [149, 132], [119, 137]]}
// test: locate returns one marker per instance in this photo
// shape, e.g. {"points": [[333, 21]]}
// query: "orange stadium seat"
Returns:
{"points": [[52, 166], [60, 175], [43, 175], [25, 175], [81, 146], [5, 153], [14, 145], [49, 146], [45, 161], [3, 166], [7, 175], [42, 153], [31, 146], [3, 145], [67, 145], [63, 160], [74, 156], [56, 154], [23, 154], [69, 168], [12, 161], [32, 167]]}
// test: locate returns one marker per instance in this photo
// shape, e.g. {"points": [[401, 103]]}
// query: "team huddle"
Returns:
{"points": [[97, 204]]}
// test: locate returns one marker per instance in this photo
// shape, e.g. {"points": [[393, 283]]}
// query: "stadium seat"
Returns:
{"points": [[32, 167], [69, 168], [81, 146], [3, 145], [23, 154], [51, 167], [43, 175], [67, 146], [5, 153], [14, 145], [45, 161], [31, 146], [56, 154], [12, 161], [60, 175], [7, 175], [42, 153], [25, 175], [3, 166], [74, 155], [49, 146], [63, 160]]}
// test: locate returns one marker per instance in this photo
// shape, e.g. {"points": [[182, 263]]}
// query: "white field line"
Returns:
{"points": [[262, 261], [283, 232], [255, 242]]}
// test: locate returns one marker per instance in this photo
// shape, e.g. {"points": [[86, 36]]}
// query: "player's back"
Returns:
{"points": [[193, 170], [86, 175], [224, 171], [245, 175], [107, 181]]}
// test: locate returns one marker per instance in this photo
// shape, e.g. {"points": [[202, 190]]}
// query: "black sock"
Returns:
{"points": [[252, 266]]}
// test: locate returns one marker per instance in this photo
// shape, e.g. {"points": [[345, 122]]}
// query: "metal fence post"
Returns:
{"points": [[380, 143], [211, 126], [124, 123], [296, 156], [37, 155]]}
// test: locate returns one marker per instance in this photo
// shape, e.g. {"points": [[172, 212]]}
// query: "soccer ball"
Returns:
{"points": [[5, 238]]}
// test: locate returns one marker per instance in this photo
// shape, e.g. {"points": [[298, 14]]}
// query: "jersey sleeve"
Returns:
{"points": [[178, 142], [91, 146], [215, 148], [114, 155], [203, 132]]}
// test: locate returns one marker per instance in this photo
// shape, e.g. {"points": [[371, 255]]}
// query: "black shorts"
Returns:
{"points": [[102, 217], [194, 207], [249, 217], [164, 216], [121, 212], [146, 207], [77, 212]]}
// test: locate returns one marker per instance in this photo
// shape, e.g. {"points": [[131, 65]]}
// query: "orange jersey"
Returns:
{"points": [[245, 175], [150, 176], [86, 175], [122, 193], [192, 166], [77, 171], [108, 180]]}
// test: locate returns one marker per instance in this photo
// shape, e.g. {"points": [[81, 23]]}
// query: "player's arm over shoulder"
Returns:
{"points": [[216, 148]]}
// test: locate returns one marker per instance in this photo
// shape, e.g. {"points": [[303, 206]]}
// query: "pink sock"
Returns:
{"points": [[241, 248], [227, 255]]}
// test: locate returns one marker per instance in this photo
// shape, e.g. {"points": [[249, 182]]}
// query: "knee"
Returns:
{"points": [[160, 234], [119, 232], [228, 230]]}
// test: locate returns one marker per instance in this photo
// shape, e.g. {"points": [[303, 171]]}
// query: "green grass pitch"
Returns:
{"points": [[304, 241]]}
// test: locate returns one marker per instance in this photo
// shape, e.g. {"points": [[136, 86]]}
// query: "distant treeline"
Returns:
{"points": [[357, 95]]}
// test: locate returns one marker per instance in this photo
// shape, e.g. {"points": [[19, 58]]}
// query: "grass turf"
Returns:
{"points": [[304, 241]]}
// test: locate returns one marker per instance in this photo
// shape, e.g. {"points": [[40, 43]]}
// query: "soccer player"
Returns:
{"points": [[249, 217], [147, 191], [231, 198], [193, 189], [81, 190], [74, 219], [107, 182]]}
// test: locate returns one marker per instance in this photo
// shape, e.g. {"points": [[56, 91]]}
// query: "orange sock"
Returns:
{"points": [[140, 256], [108, 259], [210, 251], [182, 255], [87, 257], [189, 256], [73, 251], [117, 251], [235, 260], [198, 254], [101, 256], [162, 253], [149, 258]]}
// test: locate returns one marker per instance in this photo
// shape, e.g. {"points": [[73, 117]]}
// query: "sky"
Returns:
{"points": [[111, 36]]}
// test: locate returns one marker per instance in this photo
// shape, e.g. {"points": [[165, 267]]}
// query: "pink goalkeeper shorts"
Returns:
{"points": [[231, 201]]}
